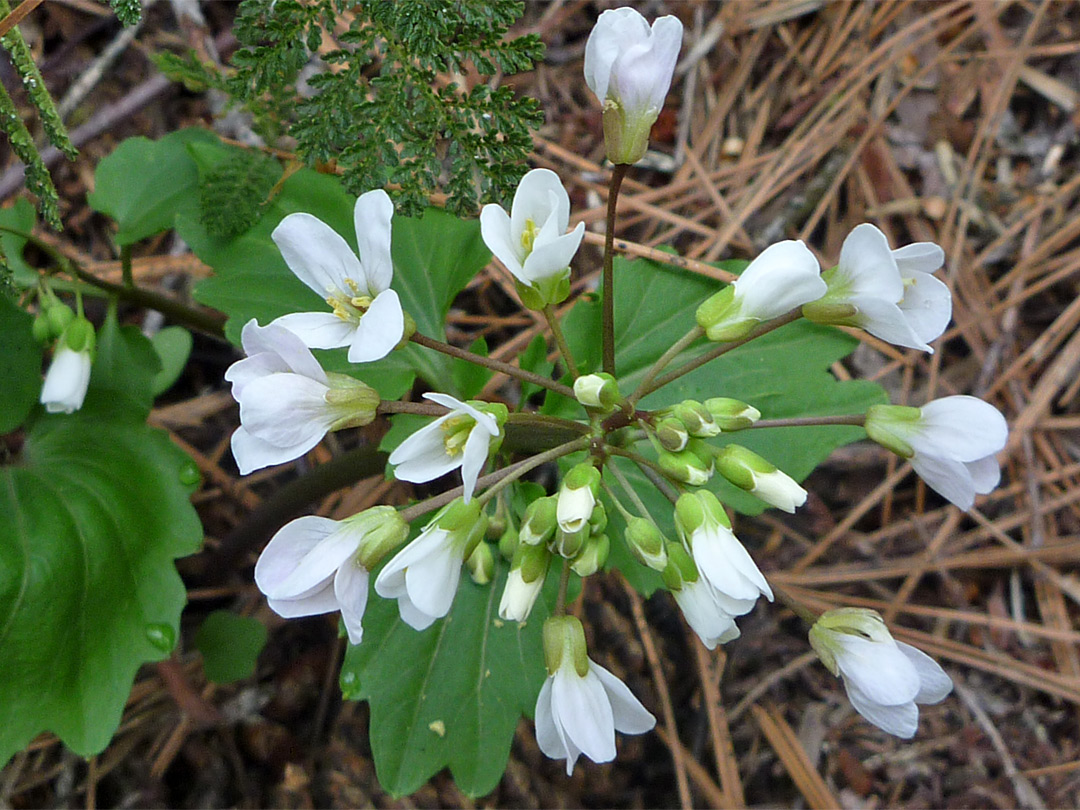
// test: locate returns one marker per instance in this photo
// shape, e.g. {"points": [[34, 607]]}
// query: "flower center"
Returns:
{"points": [[528, 236], [456, 432], [349, 306]]}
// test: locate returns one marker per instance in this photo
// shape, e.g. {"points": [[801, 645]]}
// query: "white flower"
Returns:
{"points": [[749, 471], [950, 442], [315, 565], [581, 705], [461, 438], [287, 402], [577, 497], [424, 575], [629, 66], [785, 276], [66, 380], [705, 613], [367, 315], [518, 596], [892, 292], [532, 241], [884, 678]]}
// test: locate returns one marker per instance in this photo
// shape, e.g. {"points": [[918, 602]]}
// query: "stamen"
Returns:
{"points": [[528, 236]]}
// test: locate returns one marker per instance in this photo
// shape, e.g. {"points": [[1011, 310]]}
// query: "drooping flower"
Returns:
{"points": [[884, 678], [951, 443], [785, 276], [523, 583], [577, 497], [581, 705], [315, 565], [287, 402], [892, 294], [462, 438], [68, 376], [761, 478], [629, 66], [532, 241], [424, 575], [367, 315], [705, 529]]}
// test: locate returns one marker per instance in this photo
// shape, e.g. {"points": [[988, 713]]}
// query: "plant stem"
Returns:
{"points": [[723, 348], [125, 266], [560, 341], [523, 467], [662, 362], [420, 408], [629, 490], [649, 469], [493, 364], [856, 419], [608, 313]]}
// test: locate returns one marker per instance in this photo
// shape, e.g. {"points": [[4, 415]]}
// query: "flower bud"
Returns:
{"points": [[79, 335], [859, 622], [593, 556], [465, 522], [355, 402], [646, 543], [598, 520], [597, 391], [539, 522], [41, 330], [686, 466], [577, 497], [749, 471], [58, 317], [569, 544], [696, 418], [383, 529], [508, 542], [680, 568], [481, 564], [564, 640], [719, 316], [523, 584], [881, 424], [731, 414], [672, 434]]}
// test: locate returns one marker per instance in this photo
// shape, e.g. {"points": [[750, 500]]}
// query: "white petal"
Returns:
{"points": [[289, 545], [473, 459], [485, 420], [552, 258], [960, 427], [320, 602], [630, 716], [934, 684], [886, 320], [422, 456], [371, 217], [877, 668], [251, 368], [286, 410], [702, 613], [724, 561], [581, 707], [547, 737], [318, 330], [252, 453], [390, 583], [867, 263], [786, 275], [985, 474], [66, 381], [949, 479], [615, 30], [574, 507], [282, 344], [540, 195], [316, 253], [900, 720], [496, 233], [780, 490], [432, 581], [380, 329], [313, 568], [351, 591], [413, 616], [927, 306], [919, 257], [642, 74]]}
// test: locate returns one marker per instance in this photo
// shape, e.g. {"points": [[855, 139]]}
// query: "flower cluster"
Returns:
{"points": [[503, 534]]}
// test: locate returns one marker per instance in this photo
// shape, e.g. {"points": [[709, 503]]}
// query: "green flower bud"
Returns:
{"points": [[539, 522], [721, 317], [79, 335], [577, 497], [599, 519], [672, 434], [59, 317], [356, 403], [694, 509], [598, 391], [593, 556], [680, 567], [697, 419], [685, 466], [481, 564], [749, 471], [569, 544], [524, 582], [384, 530], [646, 543], [508, 542], [860, 622], [731, 414], [41, 330], [881, 421], [564, 645]]}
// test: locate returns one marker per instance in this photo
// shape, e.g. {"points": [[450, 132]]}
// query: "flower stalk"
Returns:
{"points": [[618, 172]]}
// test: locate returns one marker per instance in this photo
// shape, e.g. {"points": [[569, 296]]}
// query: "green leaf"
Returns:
{"points": [[91, 517], [535, 359], [451, 695], [19, 217], [469, 378], [784, 374], [145, 184], [230, 645], [173, 347], [20, 366]]}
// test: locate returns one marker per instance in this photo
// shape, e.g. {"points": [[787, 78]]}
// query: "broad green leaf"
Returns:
{"points": [[20, 366], [19, 217], [470, 378], [534, 359], [784, 374], [144, 184], [173, 347], [449, 696], [91, 517], [230, 645]]}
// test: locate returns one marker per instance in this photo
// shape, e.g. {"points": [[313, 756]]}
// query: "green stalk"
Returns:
{"points": [[662, 362], [560, 341], [608, 312]]}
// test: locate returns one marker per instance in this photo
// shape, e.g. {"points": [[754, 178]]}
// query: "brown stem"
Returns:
{"points": [[856, 419], [608, 312]]}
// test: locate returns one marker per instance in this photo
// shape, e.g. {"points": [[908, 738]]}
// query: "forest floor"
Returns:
{"points": [[953, 122]]}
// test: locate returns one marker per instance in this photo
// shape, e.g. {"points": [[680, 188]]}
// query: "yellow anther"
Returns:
{"points": [[528, 236], [456, 431], [361, 302], [354, 288]]}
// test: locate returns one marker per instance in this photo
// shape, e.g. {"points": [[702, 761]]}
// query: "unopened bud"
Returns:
{"points": [[697, 419], [646, 543], [58, 317], [731, 414], [593, 556], [577, 497], [597, 391], [749, 471], [481, 564], [383, 530], [672, 434], [680, 567], [539, 522], [564, 644]]}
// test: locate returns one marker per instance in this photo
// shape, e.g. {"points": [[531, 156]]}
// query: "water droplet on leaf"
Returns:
{"points": [[161, 636], [350, 685], [189, 474]]}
